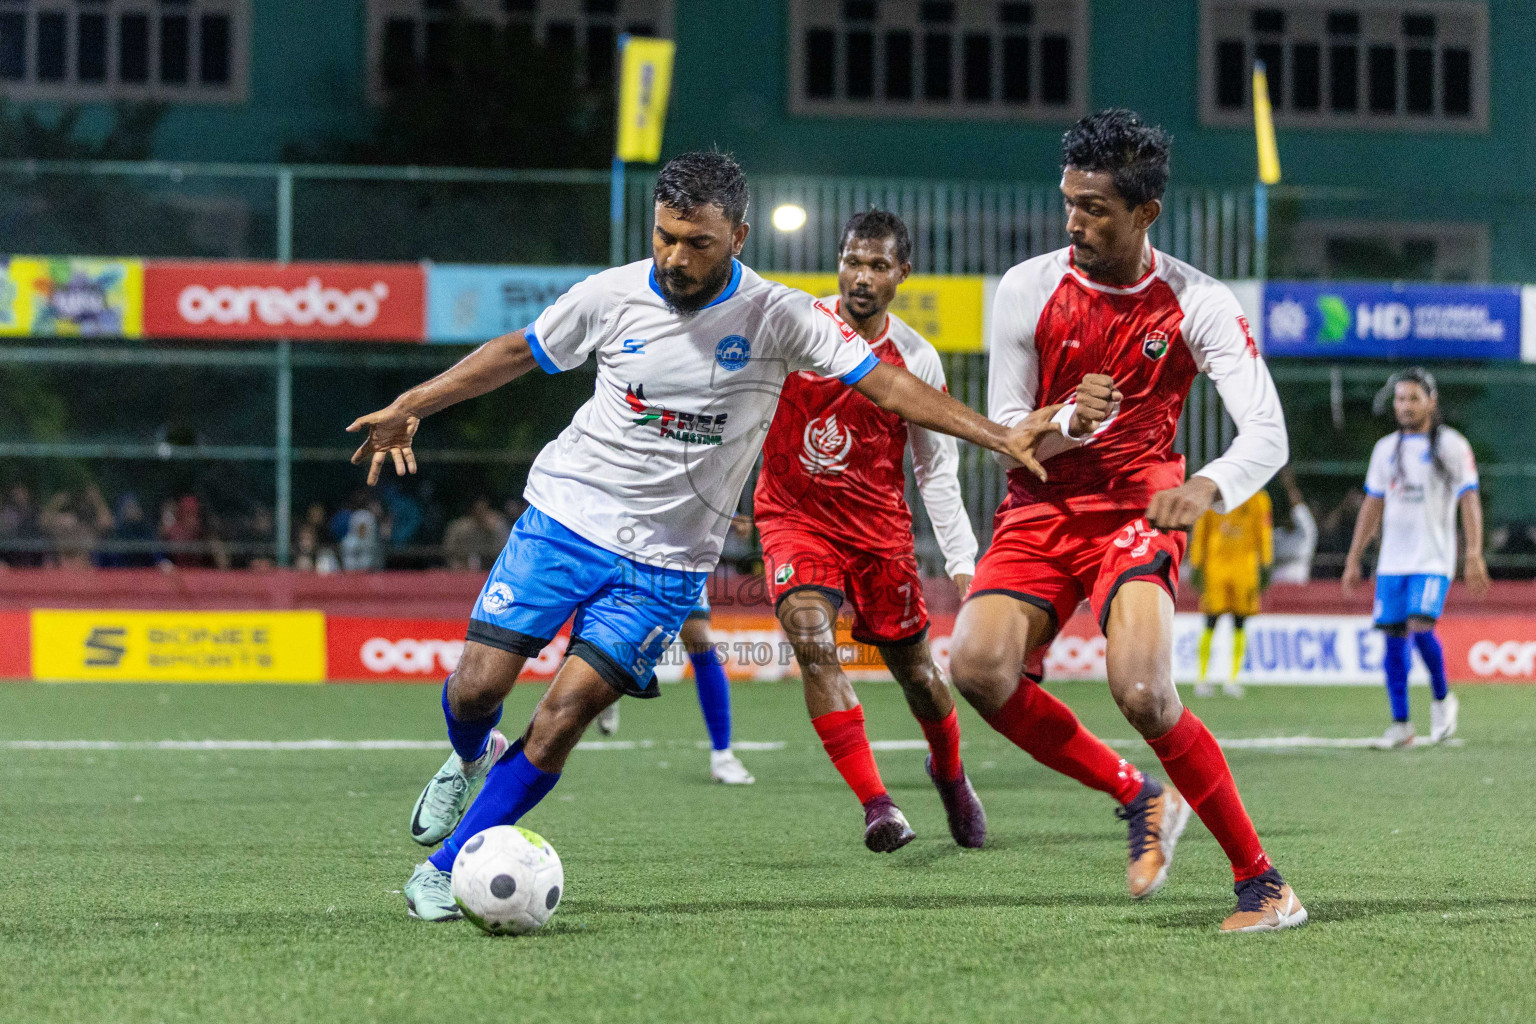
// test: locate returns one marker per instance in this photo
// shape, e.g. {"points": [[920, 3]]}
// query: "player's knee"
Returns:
{"points": [[1151, 710], [980, 670]]}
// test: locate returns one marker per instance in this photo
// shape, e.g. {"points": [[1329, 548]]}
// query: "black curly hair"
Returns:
{"points": [[1120, 142], [693, 180], [877, 223]]}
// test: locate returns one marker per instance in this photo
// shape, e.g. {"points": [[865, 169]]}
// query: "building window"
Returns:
{"points": [[174, 51], [409, 39], [938, 58], [1350, 65]]}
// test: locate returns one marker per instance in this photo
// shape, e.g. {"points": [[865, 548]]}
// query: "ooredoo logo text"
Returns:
{"points": [[341, 301], [313, 303]]}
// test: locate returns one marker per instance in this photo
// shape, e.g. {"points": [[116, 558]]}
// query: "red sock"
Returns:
{"points": [[1196, 765], [1048, 731], [944, 744], [842, 734]]}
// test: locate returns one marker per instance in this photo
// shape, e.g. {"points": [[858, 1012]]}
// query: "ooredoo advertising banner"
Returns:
{"points": [[412, 650], [298, 301], [1391, 321]]}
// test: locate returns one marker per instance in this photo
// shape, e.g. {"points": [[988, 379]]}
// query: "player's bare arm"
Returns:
{"points": [[1475, 569], [1366, 525], [899, 391], [392, 430]]}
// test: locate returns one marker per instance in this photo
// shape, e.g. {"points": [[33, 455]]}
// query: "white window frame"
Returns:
{"points": [[1065, 17], [1381, 22], [657, 13], [193, 91], [1310, 244]]}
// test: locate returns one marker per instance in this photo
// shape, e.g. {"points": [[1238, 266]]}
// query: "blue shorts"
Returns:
{"points": [[701, 609], [1399, 598], [627, 613]]}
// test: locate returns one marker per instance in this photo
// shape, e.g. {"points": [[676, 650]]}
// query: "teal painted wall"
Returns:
{"points": [[730, 90], [308, 79]]}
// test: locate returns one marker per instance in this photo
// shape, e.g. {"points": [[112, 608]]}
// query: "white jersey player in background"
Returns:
{"points": [[1418, 478], [629, 506]]}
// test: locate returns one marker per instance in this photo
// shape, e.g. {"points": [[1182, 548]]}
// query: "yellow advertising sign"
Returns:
{"points": [[645, 84], [945, 309], [178, 647], [69, 297]]}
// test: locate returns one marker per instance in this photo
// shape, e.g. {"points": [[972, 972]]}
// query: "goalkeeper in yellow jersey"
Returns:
{"points": [[1231, 555]]}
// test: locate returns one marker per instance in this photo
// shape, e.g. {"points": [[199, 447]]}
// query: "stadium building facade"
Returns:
{"points": [[1381, 109]]}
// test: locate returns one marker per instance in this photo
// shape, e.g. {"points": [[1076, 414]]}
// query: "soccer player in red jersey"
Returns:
{"points": [[1115, 332], [835, 527]]}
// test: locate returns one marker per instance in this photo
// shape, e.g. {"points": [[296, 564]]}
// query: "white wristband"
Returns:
{"points": [[1063, 419]]}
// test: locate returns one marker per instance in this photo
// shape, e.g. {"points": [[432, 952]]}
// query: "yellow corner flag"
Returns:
{"points": [[645, 84], [1264, 126]]}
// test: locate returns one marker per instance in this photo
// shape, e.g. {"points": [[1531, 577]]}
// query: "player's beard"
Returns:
{"points": [[698, 299]]}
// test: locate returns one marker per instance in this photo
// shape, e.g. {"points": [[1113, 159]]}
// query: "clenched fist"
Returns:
{"points": [[1097, 399]]}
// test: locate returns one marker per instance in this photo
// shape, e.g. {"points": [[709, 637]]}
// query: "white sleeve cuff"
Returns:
{"points": [[1063, 419]]}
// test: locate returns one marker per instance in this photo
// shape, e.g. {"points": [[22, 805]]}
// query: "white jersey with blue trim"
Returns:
{"points": [[1418, 526], [653, 464]]}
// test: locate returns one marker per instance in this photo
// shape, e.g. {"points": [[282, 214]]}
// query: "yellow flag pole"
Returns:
{"points": [[1269, 168]]}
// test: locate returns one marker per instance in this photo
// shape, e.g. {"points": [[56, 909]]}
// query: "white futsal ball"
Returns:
{"points": [[507, 880]]}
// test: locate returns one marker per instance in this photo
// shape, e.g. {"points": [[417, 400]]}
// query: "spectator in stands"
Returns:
{"points": [[1294, 543], [474, 540], [20, 532], [362, 549], [311, 552], [194, 543], [257, 532], [74, 524], [1338, 526], [131, 526], [1515, 544]]}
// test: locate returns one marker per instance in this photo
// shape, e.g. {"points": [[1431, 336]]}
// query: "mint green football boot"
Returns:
{"points": [[446, 797], [429, 895]]}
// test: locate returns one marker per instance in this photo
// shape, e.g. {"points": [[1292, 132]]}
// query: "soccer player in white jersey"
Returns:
{"points": [[630, 504], [1418, 478]]}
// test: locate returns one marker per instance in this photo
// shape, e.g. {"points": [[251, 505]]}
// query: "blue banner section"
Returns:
{"points": [[1390, 321], [469, 303]]}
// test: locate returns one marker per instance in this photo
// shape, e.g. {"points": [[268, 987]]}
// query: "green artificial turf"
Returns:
{"points": [[173, 885]]}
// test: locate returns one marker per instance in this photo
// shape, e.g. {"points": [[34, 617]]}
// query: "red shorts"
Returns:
{"points": [[885, 590], [1056, 561]]}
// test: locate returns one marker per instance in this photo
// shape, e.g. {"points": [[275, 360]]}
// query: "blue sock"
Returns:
{"points": [[714, 697], [1396, 661], [511, 790], [1434, 659], [468, 738]]}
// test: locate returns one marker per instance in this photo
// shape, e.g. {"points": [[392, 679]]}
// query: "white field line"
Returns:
{"points": [[1251, 743]]}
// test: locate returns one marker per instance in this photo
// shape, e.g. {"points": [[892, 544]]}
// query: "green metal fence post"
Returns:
{"points": [[283, 513]]}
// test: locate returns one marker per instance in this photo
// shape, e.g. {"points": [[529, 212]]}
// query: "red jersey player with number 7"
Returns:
{"points": [[1116, 332], [835, 526]]}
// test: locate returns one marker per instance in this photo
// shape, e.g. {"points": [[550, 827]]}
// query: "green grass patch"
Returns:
{"points": [[262, 885]]}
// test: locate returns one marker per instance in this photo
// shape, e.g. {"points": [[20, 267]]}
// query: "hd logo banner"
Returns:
{"points": [[178, 647], [1391, 321]]}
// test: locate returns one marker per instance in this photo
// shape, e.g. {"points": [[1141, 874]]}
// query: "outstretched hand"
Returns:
{"points": [[390, 434], [1024, 438]]}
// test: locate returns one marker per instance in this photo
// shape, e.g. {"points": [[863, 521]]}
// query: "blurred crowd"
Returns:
{"points": [[391, 528], [372, 530]]}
